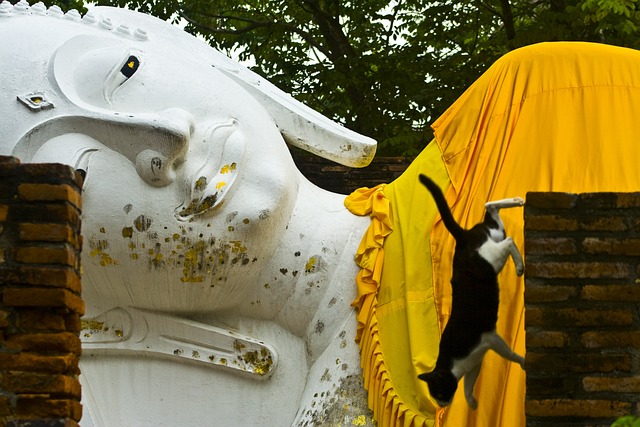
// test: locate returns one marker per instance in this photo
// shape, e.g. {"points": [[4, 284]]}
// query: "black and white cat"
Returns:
{"points": [[481, 253]]}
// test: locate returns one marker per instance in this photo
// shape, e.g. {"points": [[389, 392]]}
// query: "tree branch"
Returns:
{"points": [[506, 16], [491, 10], [507, 19], [331, 30], [306, 37], [392, 22], [253, 24]]}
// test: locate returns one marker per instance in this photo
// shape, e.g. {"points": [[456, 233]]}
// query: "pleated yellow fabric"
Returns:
{"points": [[388, 297], [549, 117]]}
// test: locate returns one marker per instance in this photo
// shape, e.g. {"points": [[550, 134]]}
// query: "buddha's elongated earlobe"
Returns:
{"points": [[303, 127]]}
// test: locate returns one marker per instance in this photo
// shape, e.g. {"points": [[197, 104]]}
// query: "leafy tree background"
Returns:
{"points": [[386, 68]]}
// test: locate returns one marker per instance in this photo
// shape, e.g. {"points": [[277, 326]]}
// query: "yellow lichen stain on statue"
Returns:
{"points": [[228, 168], [92, 327], [98, 250], [142, 223], [200, 184], [237, 247], [156, 259], [199, 206], [310, 266], [191, 264], [238, 346], [127, 232], [360, 420], [176, 251], [91, 324], [257, 362]]}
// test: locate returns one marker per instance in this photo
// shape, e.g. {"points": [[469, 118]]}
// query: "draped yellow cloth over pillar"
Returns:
{"points": [[549, 117]]}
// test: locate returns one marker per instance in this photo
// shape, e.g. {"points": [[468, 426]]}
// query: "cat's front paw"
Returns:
{"points": [[519, 270], [519, 201], [521, 362]]}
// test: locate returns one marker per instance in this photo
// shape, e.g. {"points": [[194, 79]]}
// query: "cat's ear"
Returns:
{"points": [[427, 376]]}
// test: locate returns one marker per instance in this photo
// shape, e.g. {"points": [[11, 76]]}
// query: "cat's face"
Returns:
{"points": [[442, 386]]}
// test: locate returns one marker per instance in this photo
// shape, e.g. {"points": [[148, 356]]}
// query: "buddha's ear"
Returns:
{"points": [[303, 127]]}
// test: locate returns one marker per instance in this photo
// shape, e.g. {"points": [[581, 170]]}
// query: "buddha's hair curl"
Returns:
{"points": [[23, 8]]}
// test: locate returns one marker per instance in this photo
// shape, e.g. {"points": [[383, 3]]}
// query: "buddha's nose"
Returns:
{"points": [[162, 142]]}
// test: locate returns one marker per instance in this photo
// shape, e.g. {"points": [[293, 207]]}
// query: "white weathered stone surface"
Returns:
{"points": [[217, 279]]}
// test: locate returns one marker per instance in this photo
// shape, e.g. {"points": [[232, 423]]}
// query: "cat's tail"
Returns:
{"points": [[442, 205]]}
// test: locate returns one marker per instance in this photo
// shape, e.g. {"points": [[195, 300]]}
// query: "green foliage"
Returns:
{"points": [[628, 421], [386, 68]]}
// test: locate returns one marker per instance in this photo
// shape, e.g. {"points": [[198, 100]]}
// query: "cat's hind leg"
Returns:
{"points": [[470, 379], [497, 344]]}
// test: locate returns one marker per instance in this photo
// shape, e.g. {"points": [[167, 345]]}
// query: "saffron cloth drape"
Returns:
{"points": [[557, 116]]}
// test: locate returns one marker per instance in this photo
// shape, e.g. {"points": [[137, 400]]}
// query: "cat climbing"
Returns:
{"points": [[481, 253]]}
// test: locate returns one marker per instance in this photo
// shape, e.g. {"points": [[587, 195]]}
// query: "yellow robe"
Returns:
{"points": [[549, 117]]}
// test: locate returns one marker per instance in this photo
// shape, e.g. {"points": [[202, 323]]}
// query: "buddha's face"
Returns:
{"points": [[188, 185]]}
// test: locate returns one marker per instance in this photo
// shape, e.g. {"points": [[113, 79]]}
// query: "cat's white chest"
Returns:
{"points": [[497, 235], [474, 359], [491, 252]]}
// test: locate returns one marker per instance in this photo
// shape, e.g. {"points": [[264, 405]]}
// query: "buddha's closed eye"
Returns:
{"points": [[120, 75], [130, 66]]}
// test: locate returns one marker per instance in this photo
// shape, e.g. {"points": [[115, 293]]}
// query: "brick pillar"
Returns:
{"points": [[582, 255], [40, 305]]}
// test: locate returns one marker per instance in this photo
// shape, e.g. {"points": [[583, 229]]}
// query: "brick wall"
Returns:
{"points": [[582, 256], [40, 304], [344, 180]]}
